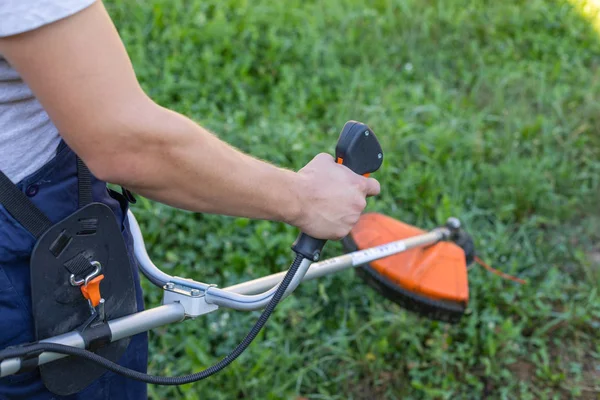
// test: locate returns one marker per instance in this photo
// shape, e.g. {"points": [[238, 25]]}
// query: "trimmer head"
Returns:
{"points": [[431, 281]]}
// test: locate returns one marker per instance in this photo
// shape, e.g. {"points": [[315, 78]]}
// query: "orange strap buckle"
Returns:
{"points": [[91, 291]]}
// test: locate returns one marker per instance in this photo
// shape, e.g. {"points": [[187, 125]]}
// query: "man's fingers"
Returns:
{"points": [[372, 187], [324, 156]]}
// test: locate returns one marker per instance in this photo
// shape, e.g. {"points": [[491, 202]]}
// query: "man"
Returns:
{"points": [[67, 86]]}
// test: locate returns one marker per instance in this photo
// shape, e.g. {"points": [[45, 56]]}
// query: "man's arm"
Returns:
{"points": [[82, 75]]}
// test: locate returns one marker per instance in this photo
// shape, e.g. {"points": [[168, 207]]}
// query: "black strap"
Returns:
{"points": [[84, 178], [128, 195], [60, 243], [79, 266], [22, 208]]}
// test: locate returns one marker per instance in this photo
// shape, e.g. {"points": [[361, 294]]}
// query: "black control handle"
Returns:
{"points": [[358, 149]]}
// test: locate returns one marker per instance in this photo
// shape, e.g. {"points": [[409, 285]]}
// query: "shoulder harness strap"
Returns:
{"points": [[84, 179], [22, 209]]}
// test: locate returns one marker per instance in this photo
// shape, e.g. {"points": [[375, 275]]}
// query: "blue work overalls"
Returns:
{"points": [[53, 189]]}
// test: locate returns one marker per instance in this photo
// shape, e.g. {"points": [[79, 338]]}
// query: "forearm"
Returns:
{"points": [[167, 157], [81, 74], [86, 83]]}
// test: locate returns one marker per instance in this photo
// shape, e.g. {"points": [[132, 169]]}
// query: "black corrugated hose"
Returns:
{"points": [[162, 380]]}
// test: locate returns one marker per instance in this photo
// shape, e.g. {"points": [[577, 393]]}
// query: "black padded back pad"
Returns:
{"points": [[59, 307]]}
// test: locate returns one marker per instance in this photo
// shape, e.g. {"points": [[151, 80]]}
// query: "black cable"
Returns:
{"points": [[161, 380]]}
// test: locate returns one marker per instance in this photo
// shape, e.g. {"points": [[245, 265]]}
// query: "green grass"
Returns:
{"points": [[486, 110]]}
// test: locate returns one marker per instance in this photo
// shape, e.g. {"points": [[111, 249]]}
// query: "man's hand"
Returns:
{"points": [[333, 198]]}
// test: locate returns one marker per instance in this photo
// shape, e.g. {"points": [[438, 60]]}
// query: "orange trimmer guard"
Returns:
{"points": [[431, 280]]}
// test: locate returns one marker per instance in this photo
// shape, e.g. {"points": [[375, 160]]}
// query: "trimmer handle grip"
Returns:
{"points": [[358, 149]]}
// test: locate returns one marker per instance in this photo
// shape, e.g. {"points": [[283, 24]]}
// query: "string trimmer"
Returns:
{"points": [[423, 271]]}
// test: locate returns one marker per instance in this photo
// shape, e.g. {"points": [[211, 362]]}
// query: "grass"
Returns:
{"points": [[486, 110]]}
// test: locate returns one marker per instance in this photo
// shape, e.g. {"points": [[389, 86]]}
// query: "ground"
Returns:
{"points": [[486, 110]]}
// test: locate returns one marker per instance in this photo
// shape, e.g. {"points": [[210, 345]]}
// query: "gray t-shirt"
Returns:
{"points": [[28, 139]]}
